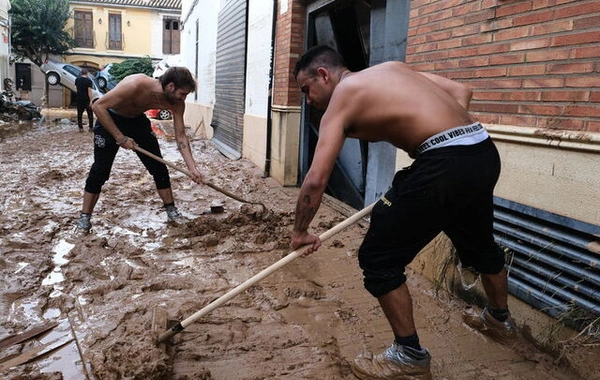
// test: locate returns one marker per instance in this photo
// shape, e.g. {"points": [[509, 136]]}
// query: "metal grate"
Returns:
{"points": [[553, 261]]}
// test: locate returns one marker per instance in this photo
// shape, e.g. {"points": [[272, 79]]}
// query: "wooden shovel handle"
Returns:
{"points": [[261, 275]]}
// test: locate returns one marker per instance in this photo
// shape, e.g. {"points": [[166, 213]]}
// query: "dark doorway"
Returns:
{"points": [[364, 33]]}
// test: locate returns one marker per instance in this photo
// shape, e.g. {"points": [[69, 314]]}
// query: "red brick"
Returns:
{"points": [[518, 120], [497, 83], [580, 8], [587, 22], [493, 48], [545, 82], [490, 72], [585, 52], [587, 81], [539, 109], [577, 38], [521, 96], [552, 27], [438, 36], [477, 17], [527, 70], [486, 118], [477, 40], [506, 59], [480, 95], [496, 24], [449, 44], [565, 96], [501, 107], [446, 65], [547, 55], [519, 7], [557, 122], [592, 126], [465, 30], [465, 9], [595, 97], [474, 62], [511, 34], [530, 44], [571, 68], [533, 18]]}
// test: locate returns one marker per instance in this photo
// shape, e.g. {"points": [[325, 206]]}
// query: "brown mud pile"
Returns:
{"points": [[306, 321]]}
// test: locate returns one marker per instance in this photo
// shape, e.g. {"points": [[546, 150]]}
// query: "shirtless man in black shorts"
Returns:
{"points": [[448, 188], [122, 123]]}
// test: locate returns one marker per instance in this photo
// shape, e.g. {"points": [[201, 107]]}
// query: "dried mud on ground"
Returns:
{"points": [[307, 320]]}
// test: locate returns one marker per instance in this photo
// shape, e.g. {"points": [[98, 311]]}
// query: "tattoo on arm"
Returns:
{"points": [[305, 211], [181, 145]]}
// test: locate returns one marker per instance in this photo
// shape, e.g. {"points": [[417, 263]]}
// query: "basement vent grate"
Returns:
{"points": [[553, 261]]}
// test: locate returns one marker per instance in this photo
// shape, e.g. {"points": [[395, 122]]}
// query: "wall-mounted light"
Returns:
{"points": [[128, 23], [100, 21]]}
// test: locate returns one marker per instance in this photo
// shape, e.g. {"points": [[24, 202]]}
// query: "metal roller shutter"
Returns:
{"points": [[228, 113]]}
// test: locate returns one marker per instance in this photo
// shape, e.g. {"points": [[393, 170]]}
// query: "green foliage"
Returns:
{"points": [[39, 29], [132, 66]]}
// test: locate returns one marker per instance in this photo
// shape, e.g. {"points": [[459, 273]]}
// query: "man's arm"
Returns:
{"points": [[458, 91], [183, 143], [90, 93], [331, 139]]}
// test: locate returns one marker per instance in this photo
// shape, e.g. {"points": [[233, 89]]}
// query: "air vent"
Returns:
{"points": [[553, 261]]}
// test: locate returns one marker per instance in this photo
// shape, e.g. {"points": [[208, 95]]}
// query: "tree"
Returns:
{"points": [[39, 29], [132, 66]]}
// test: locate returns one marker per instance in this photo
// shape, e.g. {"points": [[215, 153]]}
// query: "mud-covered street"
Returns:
{"points": [[100, 295]]}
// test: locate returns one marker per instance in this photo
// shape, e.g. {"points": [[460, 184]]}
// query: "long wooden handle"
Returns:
{"points": [[261, 275], [189, 174]]}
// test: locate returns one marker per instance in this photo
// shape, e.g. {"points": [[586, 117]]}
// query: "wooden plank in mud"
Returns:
{"points": [[26, 335]]}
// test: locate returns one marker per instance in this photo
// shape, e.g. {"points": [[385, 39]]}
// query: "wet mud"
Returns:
{"points": [[307, 320]]}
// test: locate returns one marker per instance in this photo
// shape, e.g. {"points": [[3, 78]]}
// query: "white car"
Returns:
{"points": [[65, 75], [162, 66]]}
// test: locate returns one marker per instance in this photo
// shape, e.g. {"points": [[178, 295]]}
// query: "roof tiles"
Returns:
{"points": [[158, 4]]}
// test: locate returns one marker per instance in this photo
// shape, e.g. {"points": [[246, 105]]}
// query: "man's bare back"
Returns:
{"points": [[390, 102]]}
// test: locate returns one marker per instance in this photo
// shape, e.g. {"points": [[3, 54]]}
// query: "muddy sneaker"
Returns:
{"points": [[502, 332], [83, 223], [397, 362], [173, 214]]}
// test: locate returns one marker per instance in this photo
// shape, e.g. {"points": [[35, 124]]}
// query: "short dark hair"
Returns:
{"points": [[318, 56], [180, 77], [84, 71]]}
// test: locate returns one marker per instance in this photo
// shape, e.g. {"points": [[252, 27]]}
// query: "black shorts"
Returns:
{"points": [[106, 148], [447, 189]]}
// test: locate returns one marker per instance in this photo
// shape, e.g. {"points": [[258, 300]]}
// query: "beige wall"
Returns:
{"points": [[198, 117], [254, 146], [285, 144], [135, 35]]}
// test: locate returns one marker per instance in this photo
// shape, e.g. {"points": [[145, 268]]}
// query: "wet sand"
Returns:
{"points": [[307, 320]]}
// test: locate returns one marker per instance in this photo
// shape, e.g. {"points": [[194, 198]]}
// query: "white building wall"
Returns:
{"points": [[207, 14], [260, 26]]}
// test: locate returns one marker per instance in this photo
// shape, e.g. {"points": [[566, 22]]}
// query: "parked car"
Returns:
{"points": [[165, 63], [105, 80], [65, 75], [159, 114]]}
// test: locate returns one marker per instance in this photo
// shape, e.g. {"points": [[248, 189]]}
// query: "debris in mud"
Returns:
{"points": [[19, 110]]}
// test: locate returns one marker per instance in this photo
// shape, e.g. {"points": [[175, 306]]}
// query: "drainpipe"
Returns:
{"points": [[267, 172]]}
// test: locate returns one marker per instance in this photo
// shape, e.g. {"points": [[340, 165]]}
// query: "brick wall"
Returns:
{"points": [[289, 47], [530, 62]]}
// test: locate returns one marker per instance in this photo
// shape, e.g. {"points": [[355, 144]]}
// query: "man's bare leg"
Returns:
{"points": [[496, 289], [397, 307], [166, 195], [89, 202]]}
